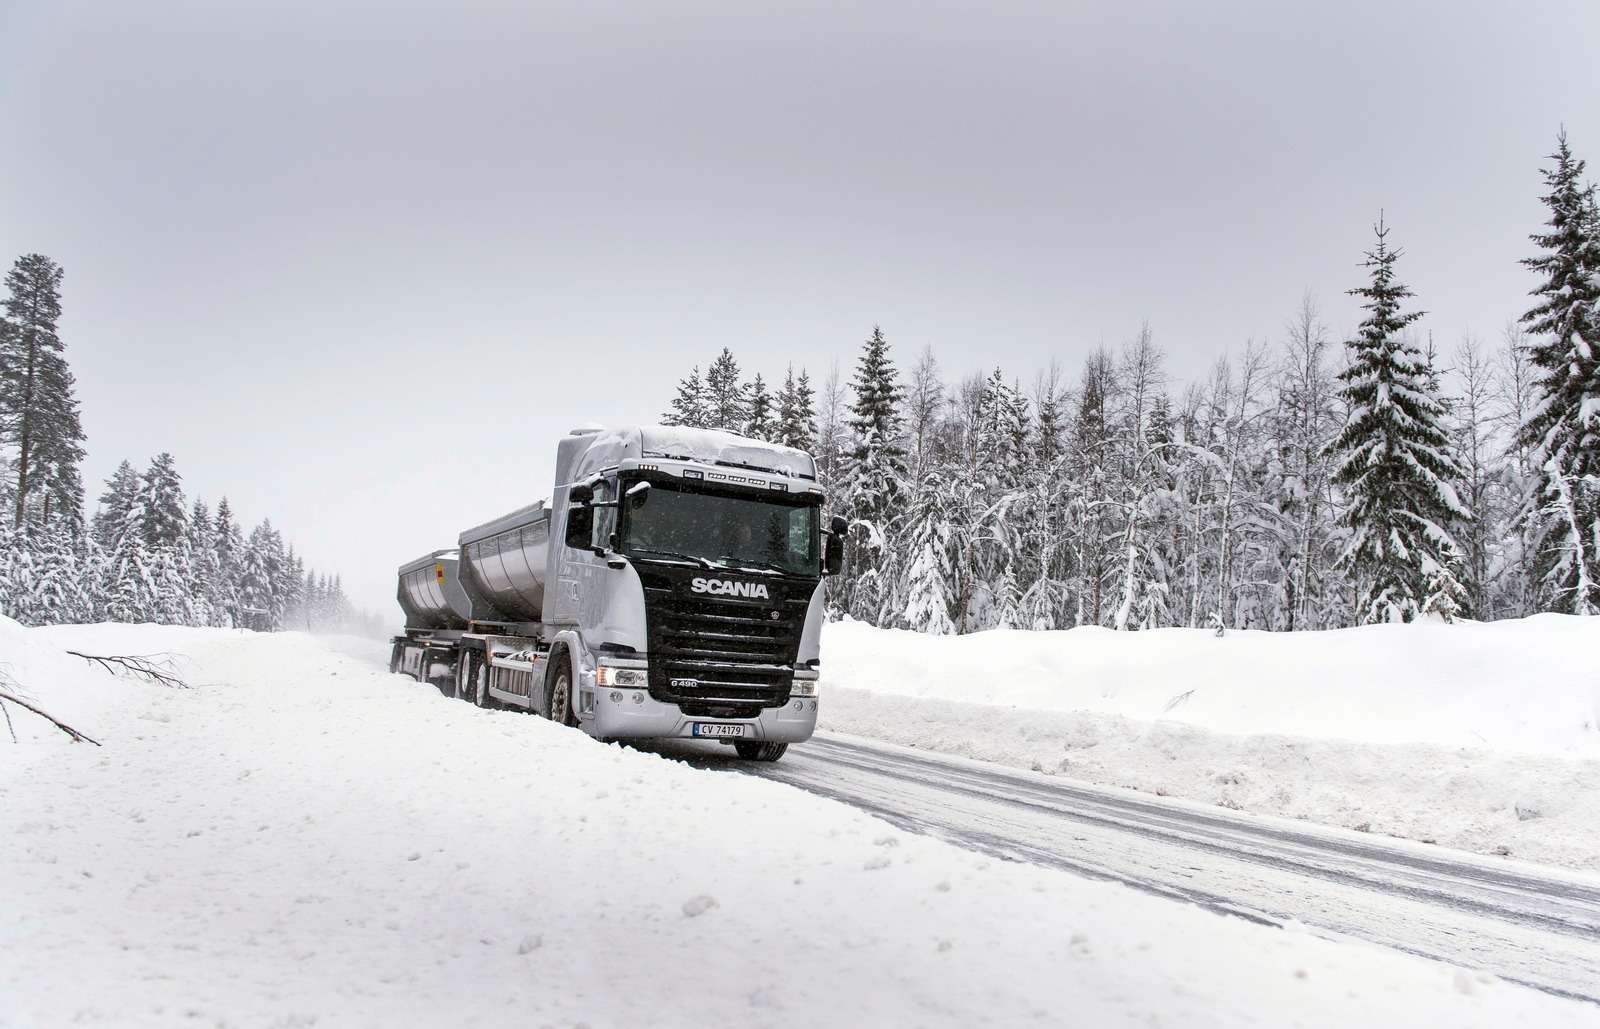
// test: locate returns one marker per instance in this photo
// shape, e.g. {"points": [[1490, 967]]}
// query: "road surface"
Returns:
{"points": [[1536, 925]]}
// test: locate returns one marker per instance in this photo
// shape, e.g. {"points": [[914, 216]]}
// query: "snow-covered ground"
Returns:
{"points": [[304, 839], [1484, 737]]}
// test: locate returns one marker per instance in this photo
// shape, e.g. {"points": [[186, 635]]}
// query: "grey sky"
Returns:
{"points": [[358, 265]]}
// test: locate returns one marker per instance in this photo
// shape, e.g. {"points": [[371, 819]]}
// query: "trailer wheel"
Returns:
{"points": [[480, 683], [758, 750], [464, 676], [558, 691], [394, 659]]}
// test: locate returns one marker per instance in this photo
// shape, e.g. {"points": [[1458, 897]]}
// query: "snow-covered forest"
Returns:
{"points": [[146, 554], [1305, 484]]}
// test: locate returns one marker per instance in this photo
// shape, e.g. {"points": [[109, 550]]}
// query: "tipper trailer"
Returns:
{"points": [[671, 588]]}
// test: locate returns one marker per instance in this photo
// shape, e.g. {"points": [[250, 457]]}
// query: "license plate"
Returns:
{"points": [[721, 729]]}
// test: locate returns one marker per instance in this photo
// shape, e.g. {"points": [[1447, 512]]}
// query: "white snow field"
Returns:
{"points": [[1481, 736], [303, 839]]}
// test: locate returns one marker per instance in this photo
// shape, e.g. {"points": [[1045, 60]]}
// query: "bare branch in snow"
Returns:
{"points": [[47, 716], [161, 669]]}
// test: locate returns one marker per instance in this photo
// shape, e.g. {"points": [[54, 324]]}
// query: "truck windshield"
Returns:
{"points": [[730, 529]]}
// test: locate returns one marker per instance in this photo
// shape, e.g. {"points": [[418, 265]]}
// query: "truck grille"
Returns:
{"points": [[722, 659]]}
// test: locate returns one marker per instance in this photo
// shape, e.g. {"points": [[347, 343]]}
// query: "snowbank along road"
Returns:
{"points": [[1532, 924], [302, 838]]}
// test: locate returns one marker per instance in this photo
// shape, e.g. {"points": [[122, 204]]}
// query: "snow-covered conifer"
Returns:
{"points": [[797, 425], [876, 474], [1563, 428], [117, 506], [689, 405], [759, 423], [38, 402], [165, 520], [727, 406], [1397, 464]]}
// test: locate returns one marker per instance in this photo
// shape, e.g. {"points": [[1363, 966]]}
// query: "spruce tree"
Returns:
{"points": [[166, 522], [797, 419], [1562, 432], [727, 406], [929, 581], [38, 402], [259, 571], [689, 406], [759, 403], [230, 548], [117, 505], [876, 472], [1397, 464], [202, 549]]}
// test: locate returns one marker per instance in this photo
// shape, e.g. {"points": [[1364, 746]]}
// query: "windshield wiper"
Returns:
{"points": [[765, 567], [704, 562]]}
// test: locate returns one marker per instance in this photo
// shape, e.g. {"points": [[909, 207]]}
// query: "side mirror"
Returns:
{"points": [[833, 555], [839, 527], [580, 493], [580, 526]]}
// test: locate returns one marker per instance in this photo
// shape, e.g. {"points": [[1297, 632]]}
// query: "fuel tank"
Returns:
{"points": [[503, 564], [431, 593]]}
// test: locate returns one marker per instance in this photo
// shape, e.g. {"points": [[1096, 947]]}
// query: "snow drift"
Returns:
{"points": [[1484, 736], [302, 838]]}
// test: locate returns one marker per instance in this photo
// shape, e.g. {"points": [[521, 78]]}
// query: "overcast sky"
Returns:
{"points": [[358, 265]]}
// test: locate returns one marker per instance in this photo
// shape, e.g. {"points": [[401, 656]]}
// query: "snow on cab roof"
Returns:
{"points": [[715, 446], [607, 448]]}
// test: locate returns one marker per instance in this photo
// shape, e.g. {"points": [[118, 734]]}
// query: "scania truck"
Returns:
{"points": [[670, 588]]}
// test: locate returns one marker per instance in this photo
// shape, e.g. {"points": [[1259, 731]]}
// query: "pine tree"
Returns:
{"points": [[165, 522], [876, 475], [259, 577], [797, 424], [117, 506], [1563, 429], [202, 550], [1397, 464], [929, 581], [689, 406], [129, 591], [59, 595], [38, 402], [290, 579], [727, 406], [230, 551], [759, 424]]}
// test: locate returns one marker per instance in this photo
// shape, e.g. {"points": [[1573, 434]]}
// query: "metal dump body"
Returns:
{"points": [[431, 593], [503, 564]]}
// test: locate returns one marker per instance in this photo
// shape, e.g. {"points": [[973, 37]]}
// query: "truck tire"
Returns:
{"points": [[757, 750], [558, 692], [394, 659], [480, 683], [464, 674]]}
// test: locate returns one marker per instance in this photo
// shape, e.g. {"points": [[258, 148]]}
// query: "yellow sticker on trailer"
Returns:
{"points": [[438, 573]]}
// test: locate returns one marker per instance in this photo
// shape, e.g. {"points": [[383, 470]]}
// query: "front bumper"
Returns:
{"points": [[648, 718]]}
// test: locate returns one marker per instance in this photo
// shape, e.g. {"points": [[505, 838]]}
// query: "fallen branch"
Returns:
{"points": [[47, 716], [156, 668]]}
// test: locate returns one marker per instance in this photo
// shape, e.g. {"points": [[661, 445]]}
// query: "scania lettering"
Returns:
{"points": [[726, 588], [670, 588]]}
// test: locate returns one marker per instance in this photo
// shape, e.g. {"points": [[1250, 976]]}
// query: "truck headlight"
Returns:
{"points": [[803, 688], [609, 675]]}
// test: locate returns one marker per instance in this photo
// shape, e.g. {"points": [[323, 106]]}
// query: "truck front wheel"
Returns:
{"points": [[559, 699], [756, 750]]}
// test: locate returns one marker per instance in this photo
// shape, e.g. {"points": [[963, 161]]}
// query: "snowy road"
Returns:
{"points": [[1535, 925]]}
